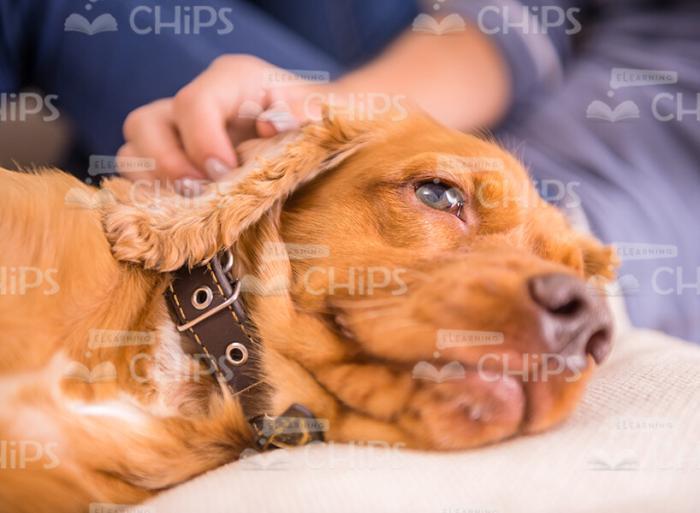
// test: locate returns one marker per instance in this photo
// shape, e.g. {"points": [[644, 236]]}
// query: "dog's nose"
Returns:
{"points": [[571, 315]]}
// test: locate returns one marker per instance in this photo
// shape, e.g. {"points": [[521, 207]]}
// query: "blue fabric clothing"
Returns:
{"points": [[100, 78]]}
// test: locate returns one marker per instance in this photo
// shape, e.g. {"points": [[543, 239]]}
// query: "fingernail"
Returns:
{"points": [[188, 187], [283, 121], [215, 168]]}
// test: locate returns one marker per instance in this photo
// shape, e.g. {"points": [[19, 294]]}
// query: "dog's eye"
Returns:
{"points": [[441, 196]]}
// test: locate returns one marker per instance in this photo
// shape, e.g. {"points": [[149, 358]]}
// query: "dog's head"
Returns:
{"points": [[432, 296]]}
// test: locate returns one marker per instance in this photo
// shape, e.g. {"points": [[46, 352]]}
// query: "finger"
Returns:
{"points": [[125, 154], [202, 120], [151, 133], [204, 108]]}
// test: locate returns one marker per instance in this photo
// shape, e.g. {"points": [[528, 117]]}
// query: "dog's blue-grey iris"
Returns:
{"points": [[441, 196]]}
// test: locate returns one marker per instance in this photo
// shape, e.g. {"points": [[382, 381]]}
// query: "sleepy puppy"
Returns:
{"points": [[387, 280]]}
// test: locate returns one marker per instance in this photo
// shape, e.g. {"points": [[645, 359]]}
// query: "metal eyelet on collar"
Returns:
{"points": [[237, 354], [202, 298]]}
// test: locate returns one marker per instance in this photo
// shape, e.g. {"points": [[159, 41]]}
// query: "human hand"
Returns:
{"points": [[193, 134]]}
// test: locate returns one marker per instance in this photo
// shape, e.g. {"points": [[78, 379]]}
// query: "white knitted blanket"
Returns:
{"points": [[632, 446]]}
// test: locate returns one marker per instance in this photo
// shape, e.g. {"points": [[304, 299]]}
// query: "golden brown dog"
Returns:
{"points": [[406, 284]]}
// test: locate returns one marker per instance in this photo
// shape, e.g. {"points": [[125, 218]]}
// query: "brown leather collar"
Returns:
{"points": [[206, 304]]}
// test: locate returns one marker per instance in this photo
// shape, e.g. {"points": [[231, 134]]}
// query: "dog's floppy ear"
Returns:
{"points": [[598, 260], [166, 232], [555, 239]]}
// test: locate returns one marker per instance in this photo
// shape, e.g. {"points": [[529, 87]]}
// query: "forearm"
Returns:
{"points": [[460, 79]]}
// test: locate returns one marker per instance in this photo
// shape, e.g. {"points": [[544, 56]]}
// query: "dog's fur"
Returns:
{"points": [[342, 186]]}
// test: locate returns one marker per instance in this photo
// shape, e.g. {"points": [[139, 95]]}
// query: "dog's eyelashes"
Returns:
{"points": [[441, 196]]}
